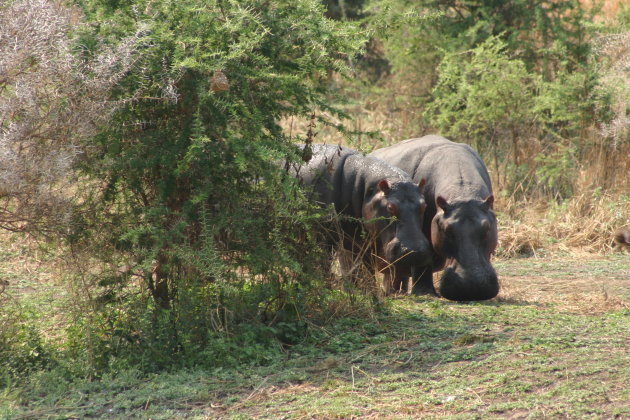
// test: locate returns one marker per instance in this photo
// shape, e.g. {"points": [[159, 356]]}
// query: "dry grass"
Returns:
{"points": [[585, 222], [592, 304], [379, 121], [593, 299]]}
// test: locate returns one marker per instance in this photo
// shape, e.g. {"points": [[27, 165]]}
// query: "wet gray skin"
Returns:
{"points": [[464, 236], [383, 203], [459, 219]]}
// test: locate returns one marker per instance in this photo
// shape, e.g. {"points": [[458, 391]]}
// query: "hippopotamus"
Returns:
{"points": [[459, 218], [622, 238], [378, 203]]}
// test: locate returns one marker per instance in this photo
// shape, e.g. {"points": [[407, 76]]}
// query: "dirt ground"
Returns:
{"points": [[584, 282]]}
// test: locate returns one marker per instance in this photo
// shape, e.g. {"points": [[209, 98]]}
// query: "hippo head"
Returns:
{"points": [[464, 234], [393, 214]]}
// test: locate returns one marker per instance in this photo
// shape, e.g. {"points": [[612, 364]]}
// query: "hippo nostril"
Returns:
{"points": [[454, 286], [399, 253], [413, 257]]}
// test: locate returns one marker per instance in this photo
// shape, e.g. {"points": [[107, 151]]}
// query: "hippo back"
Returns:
{"points": [[453, 170], [346, 178], [324, 172]]}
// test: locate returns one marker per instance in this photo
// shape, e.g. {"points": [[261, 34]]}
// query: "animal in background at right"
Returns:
{"points": [[622, 238]]}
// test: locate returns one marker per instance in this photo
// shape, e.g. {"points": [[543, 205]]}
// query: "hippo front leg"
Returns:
{"points": [[394, 283], [422, 281], [388, 282]]}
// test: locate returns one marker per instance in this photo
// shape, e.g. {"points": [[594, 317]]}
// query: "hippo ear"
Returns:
{"points": [[383, 185], [421, 184], [489, 202], [441, 202]]}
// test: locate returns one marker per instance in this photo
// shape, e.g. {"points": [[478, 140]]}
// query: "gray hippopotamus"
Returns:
{"points": [[459, 218], [384, 205], [622, 238]]}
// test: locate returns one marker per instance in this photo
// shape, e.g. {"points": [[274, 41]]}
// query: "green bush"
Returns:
{"points": [[531, 132], [486, 99], [184, 200], [540, 34], [515, 79], [23, 350]]}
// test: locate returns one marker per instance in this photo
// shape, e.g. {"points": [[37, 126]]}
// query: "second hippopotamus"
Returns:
{"points": [[378, 203]]}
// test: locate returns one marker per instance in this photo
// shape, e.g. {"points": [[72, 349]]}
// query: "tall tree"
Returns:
{"points": [[547, 35]]}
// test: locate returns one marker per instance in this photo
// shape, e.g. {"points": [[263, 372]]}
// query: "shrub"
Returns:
{"points": [[183, 194], [22, 347], [50, 101], [485, 98]]}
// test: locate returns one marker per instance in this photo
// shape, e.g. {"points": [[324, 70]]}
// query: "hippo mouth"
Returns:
{"points": [[407, 260], [477, 283], [402, 257]]}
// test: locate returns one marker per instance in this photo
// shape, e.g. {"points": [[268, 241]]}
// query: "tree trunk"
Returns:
{"points": [[159, 282]]}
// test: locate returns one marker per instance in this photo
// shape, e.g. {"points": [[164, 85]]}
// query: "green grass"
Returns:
{"points": [[425, 357], [527, 354]]}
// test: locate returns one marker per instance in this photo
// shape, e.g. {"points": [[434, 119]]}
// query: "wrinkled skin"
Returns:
{"points": [[385, 208], [459, 218]]}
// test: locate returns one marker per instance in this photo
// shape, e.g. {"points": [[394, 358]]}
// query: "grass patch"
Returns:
{"points": [[422, 357], [553, 343]]}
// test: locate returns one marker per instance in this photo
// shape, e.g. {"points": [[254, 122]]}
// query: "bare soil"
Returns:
{"points": [[585, 282]]}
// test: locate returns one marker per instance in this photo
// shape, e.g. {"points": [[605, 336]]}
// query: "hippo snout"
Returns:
{"points": [[400, 254], [457, 284]]}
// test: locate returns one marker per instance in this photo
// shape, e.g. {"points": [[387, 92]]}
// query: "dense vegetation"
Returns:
{"points": [[140, 143]]}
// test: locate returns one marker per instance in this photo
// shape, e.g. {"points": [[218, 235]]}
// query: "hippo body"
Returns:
{"points": [[622, 238], [459, 219], [371, 192]]}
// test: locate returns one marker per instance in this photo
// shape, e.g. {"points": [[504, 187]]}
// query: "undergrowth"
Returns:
{"points": [[418, 357]]}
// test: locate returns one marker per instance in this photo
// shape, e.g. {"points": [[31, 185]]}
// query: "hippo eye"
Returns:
{"points": [[392, 209], [485, 228]]}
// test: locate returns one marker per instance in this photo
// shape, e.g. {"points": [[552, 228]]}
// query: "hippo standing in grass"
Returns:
{"points": [[459, 219], [378, 202]]}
